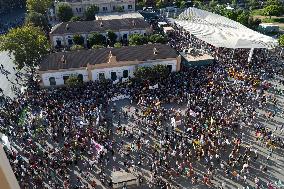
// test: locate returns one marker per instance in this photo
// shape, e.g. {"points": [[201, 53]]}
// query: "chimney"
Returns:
{"points": [[101, 24], [133, 23], [67, 27], [155, 51], [63, 59], [111, 58]]}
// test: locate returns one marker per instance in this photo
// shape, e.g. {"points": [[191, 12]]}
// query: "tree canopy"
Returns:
{"points": [[153, 73], [73, 80], [39, 6], [76, 18], [157, 38], [97, 46], [137, 39], [78, 39], [91, 11], [281, 40], [64, 12], [111, 36], [27, 44], [117, 45], [272, 10], [76, 47], [38, 20], [97, 39]]}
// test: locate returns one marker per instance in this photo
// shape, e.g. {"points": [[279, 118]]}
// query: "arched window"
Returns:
{"points": [[80, 78], [125, 73], [52, 81]]}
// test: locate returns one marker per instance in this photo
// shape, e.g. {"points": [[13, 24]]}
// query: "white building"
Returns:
{"points": [[105, 63], [80, 6], [118, 15], [62, 34]]}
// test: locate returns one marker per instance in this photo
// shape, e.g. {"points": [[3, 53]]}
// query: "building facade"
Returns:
{"points": [[7, 177], [105, 63], [62, 34], [80, 6]]}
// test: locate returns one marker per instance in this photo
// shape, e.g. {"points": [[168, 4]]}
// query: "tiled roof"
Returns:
{"points": [[99, 26], [77, 59]]}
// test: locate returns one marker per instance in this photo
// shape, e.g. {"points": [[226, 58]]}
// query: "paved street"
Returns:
{"points": [[8, 64]]}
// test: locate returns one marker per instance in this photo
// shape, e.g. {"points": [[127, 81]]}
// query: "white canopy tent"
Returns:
{"points": [[220, 31]]}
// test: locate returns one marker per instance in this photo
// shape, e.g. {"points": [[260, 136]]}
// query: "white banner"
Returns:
{"points": [[120, 97], [115, 81], [154, 86], [124, 80]]}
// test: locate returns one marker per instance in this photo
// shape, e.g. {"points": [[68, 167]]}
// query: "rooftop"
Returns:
{"points": [[98, 26], [118, 15], [81, 58]]}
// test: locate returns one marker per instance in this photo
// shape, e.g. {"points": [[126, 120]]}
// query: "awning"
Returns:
{"points": [[220, 31]]}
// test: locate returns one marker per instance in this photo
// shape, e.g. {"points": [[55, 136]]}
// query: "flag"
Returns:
{"points": [[211, 120]]}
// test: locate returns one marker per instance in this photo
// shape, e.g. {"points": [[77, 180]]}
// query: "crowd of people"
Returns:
{"points": [[192, 125]]}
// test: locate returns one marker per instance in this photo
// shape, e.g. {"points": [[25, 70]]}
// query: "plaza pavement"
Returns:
{"points": [[8, 64]]}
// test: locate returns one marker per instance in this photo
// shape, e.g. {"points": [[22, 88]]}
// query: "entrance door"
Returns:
{"points": [[170, 67], [113, 76], [65, 78], [80, 78]]}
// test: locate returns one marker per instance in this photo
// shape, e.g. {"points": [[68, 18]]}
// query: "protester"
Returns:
{"points": [[194, 117]]}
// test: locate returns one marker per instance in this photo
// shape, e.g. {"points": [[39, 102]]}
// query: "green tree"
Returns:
{"points": [[28, 44], [182, 5], [253, 23], [231, 14], [140, 5], [272, 10], [64, 12], [97, 46], [198, 3], [281, 40], [97, 39], [273, 2], [117, 45], [38, 20], [73, 81], [154, 73], [111, 36], [39, 6], [157, 38], [213, 4], [119, 9], [78, 39], [90, 13], [137, 39], [76, 18], [159, 4], [243, 18], [144, 73], [160, 71], [234, 3], [76, 47]]}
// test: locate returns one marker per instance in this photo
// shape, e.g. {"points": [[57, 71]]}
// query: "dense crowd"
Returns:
{"points": [[193, 125]]}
